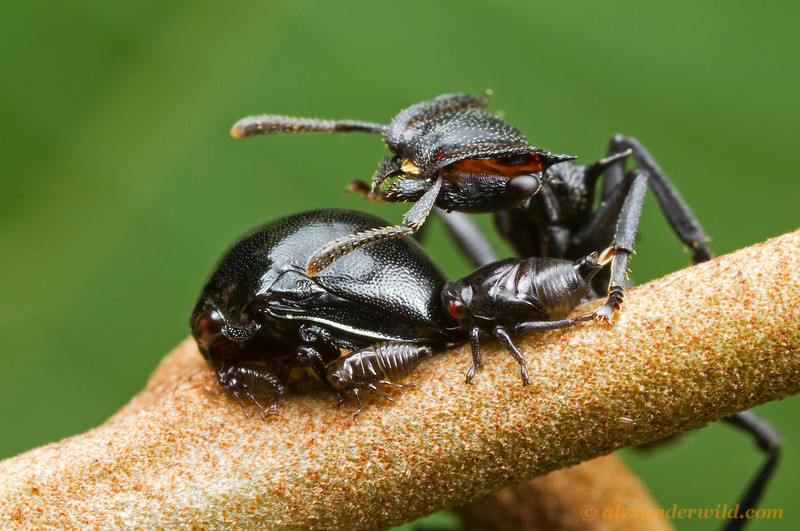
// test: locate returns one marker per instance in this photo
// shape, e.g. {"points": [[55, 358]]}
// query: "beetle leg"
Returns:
{"points": [[378, 391], [396, 385], [502, 335], [258, 404], [768, 440], [475, 345], [315, 361], [680, 218], [235, 394], [538, 326], [354, 392]]}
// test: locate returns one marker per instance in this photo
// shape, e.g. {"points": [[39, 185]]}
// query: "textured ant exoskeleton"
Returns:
{"points": [[449, 152]]}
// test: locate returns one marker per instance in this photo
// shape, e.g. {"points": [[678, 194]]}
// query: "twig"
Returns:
{"points": [[570, 499], [687, 349]]}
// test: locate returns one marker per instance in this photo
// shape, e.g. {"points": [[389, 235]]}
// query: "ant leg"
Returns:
{"points": [[420, 211], [330, 252], [624, 237], [680, 218], [614, 173], [768, 440], [611, 167], [623, 209], [468, 237]]}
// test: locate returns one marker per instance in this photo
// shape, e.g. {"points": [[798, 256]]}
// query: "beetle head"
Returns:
{"points": [[218, 337], [207, 330]]}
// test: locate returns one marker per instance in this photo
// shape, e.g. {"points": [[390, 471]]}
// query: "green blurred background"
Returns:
{"points": [[120, 186]]}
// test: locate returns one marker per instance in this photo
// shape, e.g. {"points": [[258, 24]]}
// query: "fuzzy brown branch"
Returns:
{"points": [[687, 349]]}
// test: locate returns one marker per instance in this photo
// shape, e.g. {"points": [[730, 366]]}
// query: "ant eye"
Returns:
{"points": [[457, 310], [515, 160], [523, 186]]}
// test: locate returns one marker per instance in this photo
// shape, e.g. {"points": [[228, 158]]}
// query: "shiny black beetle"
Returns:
{"points": [[261, 315], [260, 308]]}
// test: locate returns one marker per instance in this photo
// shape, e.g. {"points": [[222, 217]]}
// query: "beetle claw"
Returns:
{"points": [[273, 408]]}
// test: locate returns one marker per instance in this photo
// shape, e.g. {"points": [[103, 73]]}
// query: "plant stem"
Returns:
{"points": [[686, 350]]}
